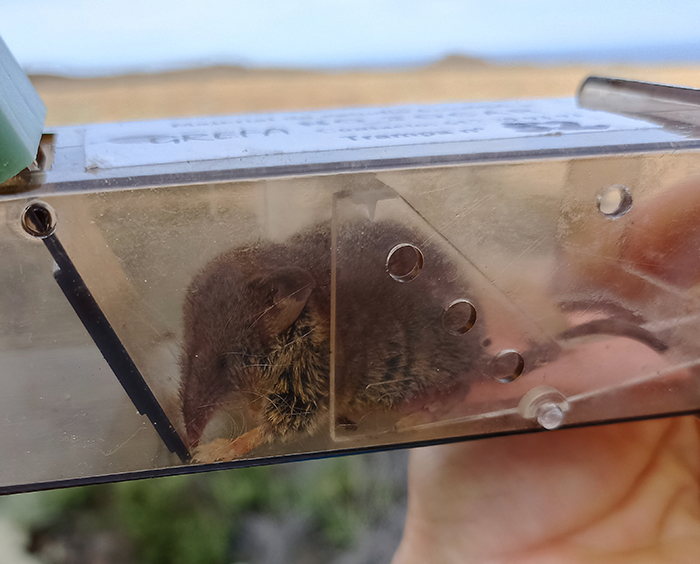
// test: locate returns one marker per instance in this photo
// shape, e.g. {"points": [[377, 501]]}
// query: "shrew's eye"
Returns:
{"points": [[222, 363]]}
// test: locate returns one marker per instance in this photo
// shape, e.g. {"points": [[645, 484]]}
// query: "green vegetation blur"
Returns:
{"points": [[198, 518]]}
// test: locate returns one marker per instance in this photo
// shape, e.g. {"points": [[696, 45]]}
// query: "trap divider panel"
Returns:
{"points": [[434, 299]]}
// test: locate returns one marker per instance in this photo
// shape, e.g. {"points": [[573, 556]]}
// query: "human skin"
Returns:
{"points": [[617, 494], [625, 493]]}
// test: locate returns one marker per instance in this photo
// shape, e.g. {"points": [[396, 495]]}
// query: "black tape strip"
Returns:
{"points": [[112, 349]]}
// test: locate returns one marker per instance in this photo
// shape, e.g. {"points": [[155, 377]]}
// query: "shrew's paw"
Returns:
{"points": [[227, 450]]}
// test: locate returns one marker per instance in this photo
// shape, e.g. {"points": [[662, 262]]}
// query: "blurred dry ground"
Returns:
{"points": [[230, 90]]}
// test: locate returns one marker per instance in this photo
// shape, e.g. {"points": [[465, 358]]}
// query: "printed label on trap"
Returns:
{"points": [[235, 137]]}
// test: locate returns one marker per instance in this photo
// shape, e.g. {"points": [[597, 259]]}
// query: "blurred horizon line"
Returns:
{"points": [[670, 54]]}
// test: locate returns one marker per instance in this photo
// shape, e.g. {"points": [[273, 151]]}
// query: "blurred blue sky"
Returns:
{"points": [[101, 37]]}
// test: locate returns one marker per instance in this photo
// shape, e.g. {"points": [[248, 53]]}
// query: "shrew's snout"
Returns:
{"points": [[196, 419]]}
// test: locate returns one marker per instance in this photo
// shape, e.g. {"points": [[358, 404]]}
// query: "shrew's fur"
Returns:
{"points": [[257, 327]]}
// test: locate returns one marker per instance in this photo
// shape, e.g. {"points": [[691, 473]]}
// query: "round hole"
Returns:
{"points": [[459, 317], [507, 365], [614, 201], [404, 262], [39, 220]]}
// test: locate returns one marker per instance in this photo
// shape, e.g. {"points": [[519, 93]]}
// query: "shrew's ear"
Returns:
{"points": [[289, 290]]}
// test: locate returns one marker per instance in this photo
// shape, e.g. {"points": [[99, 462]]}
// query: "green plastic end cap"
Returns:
{"points": [[22, 116]]}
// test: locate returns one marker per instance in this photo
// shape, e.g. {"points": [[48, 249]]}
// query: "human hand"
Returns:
{"points": [[613, 494], [626, 493]]}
